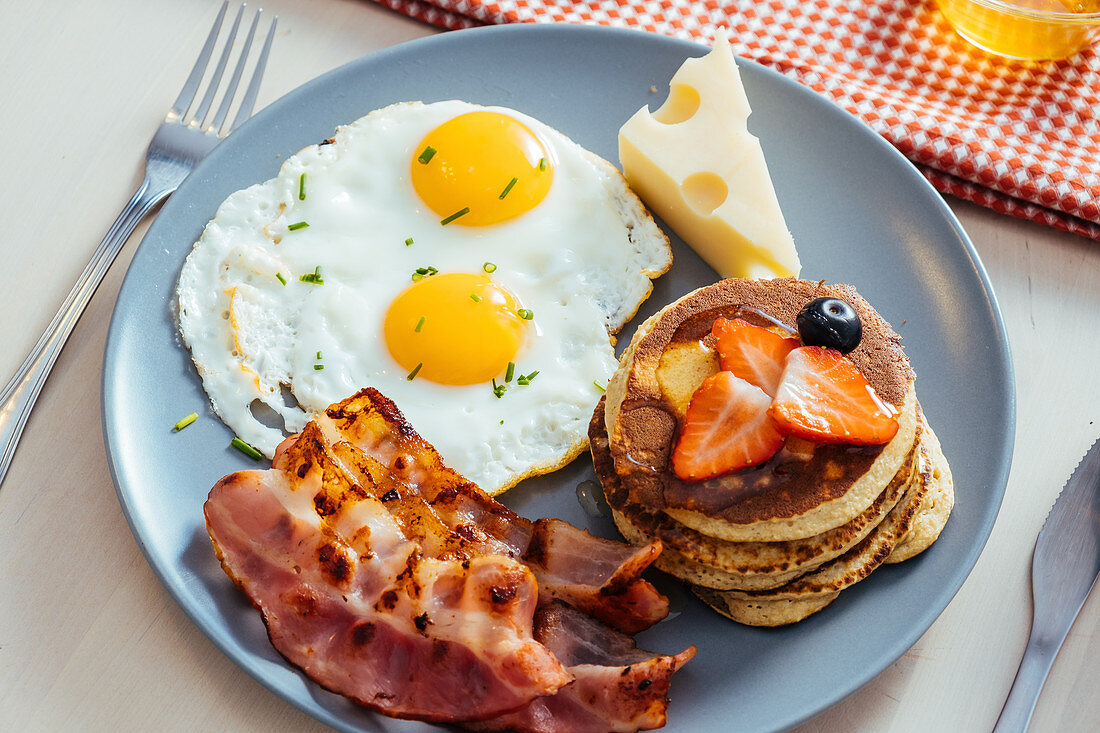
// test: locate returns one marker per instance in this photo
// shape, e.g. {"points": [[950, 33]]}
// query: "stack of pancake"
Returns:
{"points": [[770, 544]]}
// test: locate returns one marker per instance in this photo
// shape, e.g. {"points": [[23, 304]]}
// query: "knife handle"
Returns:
{"points": [[1034, 667]]}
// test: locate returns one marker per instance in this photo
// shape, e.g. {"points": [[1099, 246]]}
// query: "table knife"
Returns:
{"points": [[1063, 571]]}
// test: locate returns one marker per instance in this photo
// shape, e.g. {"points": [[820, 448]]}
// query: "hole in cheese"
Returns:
{"points": [[704, 192], [681, 105]]}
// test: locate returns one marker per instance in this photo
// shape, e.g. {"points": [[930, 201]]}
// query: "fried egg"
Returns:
{"points": [[471, 263]]}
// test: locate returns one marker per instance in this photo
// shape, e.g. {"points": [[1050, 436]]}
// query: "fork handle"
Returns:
{"points": [[1034, 668], [22, 391]]}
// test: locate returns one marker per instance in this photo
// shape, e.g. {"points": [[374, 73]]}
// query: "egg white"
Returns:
{"points": [[581, 261]]}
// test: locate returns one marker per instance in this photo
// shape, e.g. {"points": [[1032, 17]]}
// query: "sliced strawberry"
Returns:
{"points": [[824, 397], [755, 354], [727, 427]]}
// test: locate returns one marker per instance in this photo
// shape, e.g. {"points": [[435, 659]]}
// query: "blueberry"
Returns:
{"points": [[831, 323]]}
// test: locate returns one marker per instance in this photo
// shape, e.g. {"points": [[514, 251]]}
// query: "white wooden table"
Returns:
{"points": [[89, 640]]}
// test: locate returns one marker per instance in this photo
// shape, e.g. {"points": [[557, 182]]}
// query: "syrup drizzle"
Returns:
{"points": [[749, 310], [781, 476], [590, 497]]}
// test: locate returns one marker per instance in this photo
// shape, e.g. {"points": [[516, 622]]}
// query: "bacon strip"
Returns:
{"points": [[365, 614], [598, 576], [392, 580], [617, 687], [603, 577]]}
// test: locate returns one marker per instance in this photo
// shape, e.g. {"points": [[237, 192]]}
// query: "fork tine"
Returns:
{"points": [[231, 90], [187, 94], [249, 101], [216, 77]]}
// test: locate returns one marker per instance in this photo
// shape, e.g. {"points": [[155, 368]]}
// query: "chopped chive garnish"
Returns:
{"points": [[280, 278], [511, 371], [461, 212], [499, 389], [408, 241], [475, 297], [425, 156], [508, 187], [245, 448], [489, 267], [318, 367], [501, 422], [599, 386], [423, 272], [298, 225], [532, 375], [414, 372], [302, 187], [525, 314], [525, 379], [318, 356], [542, 164], [185, 422], [420, 324], [313, 277]]}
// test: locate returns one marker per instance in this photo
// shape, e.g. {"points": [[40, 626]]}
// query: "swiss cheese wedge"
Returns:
{"points": [[695, 164]]}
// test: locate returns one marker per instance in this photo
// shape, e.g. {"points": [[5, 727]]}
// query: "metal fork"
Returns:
{"points": [[181, 141]]}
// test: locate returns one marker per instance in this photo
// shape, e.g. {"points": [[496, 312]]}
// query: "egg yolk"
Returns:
{"points": [[455, 328], [481, 168]]}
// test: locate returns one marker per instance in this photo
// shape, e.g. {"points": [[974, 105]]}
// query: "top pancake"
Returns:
{"points": [[804, 489], [715, 563]]}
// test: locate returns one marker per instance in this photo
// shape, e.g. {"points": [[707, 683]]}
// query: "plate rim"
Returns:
{"points": [[382, 58]]}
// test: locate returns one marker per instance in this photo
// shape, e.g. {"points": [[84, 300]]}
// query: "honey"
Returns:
{"points": [[1025, 29]]}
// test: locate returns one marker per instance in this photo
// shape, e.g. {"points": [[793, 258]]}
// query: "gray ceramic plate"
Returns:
{"points": [[859, 212]]}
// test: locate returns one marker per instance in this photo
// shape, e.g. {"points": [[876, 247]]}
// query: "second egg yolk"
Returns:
{"points": [[454, 328], [481, 168]]}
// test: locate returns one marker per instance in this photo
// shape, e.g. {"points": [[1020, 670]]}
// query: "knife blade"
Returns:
{"points": [[1063, 571]]}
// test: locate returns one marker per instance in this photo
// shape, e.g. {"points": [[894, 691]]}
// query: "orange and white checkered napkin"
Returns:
{"points": [[1020, 138]]}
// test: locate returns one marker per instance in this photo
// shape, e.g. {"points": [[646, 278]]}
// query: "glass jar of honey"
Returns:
{"points": [[1026, 29]]}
